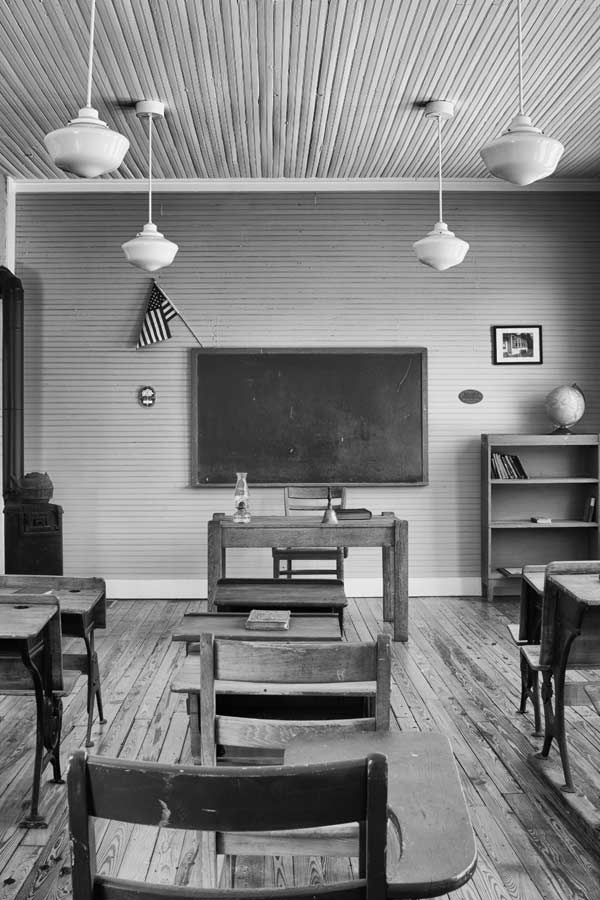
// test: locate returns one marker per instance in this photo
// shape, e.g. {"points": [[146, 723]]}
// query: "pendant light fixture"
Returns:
{"points": [[149, 249], [440, 249], [522, 154], [86, 146]]}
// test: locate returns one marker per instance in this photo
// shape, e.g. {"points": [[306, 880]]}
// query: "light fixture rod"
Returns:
{"points": [[150, 118], [91, 54], [439, 127], [520, 44]]}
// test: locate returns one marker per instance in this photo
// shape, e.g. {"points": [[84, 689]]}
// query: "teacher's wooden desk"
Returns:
{"points": [[31, 660], [431, 845], [385, 531]]}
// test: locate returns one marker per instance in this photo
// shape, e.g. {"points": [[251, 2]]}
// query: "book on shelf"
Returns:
{"points": [[541, 520], [268, 619], [589, 513], [358, 513], [507, 465]]}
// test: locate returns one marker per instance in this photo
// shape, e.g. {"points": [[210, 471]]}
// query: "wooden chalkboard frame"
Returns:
{"points": [[384, 413]]}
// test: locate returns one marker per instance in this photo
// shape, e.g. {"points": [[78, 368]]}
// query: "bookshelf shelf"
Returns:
{"points": [[556, 523], [561, 474], [525, 482]]}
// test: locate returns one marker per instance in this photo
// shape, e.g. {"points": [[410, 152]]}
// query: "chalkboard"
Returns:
{"points": [[309, 416]]}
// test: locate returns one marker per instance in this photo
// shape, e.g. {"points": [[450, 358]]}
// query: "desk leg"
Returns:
{"points": [[47, 741], [93, 688], [395, 581], [215, 561]]}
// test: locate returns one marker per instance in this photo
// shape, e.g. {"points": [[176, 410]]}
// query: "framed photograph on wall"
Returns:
{"points": [[516, 345]]}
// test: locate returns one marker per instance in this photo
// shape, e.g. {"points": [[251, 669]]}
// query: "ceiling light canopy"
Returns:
{"points": [[440, 249], [149, 249], [86, 146], [522, 154]]}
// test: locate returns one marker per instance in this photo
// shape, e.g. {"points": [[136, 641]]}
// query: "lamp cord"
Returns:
{"points": [[91, 55], [520, 46], [439, 124], [150, 118]]}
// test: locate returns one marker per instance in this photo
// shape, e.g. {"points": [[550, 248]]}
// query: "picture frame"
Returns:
{"points": [[517, 345]]}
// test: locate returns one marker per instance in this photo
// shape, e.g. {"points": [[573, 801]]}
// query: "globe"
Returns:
{"points": [[565, 406]]}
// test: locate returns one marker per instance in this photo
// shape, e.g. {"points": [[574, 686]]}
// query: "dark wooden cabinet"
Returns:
{"points": [[562, 478]]}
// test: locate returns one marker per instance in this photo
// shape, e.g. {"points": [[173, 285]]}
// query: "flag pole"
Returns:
{"points": [[189, 328]]}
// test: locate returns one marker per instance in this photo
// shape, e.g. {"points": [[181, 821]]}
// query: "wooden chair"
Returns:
{"points": [[236, 799], [310, 501], [320, 675], [325, 675]]}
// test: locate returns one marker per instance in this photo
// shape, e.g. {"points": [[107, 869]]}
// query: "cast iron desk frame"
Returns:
{"points": [[385, 531], [82, 610], [570, 636], [31, 659]]}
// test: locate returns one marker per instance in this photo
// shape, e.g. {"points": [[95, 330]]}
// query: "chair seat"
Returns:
{"points": [[307, 553], [513, 629], [531, 653]]}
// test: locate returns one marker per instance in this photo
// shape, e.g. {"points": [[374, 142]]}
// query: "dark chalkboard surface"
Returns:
{"points": [[310, 416]]}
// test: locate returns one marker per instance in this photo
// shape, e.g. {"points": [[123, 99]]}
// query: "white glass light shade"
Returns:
{"points": [[86, 146], [441, 249], [149, 249], [522, 154]]}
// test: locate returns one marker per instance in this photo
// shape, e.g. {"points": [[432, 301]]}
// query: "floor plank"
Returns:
{"points": [[458, 674]]}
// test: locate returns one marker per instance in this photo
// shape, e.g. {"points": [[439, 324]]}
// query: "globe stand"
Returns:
{"points": [[562, 429]]}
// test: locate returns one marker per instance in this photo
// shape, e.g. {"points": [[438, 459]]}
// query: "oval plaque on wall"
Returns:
{"points": [[470, 395]]}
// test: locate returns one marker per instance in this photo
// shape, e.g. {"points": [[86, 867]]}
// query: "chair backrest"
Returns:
{"points": [[299, 500], [297, 669], [227, 799]]}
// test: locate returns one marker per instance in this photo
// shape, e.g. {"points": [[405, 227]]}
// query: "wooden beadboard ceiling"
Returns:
{"points": [[300, 89]]}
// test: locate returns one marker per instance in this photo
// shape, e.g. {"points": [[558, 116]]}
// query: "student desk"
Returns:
{"points": [[82, 610], [31, 659], [431, 845], [570, 638], [385, 531], [232, 625]]}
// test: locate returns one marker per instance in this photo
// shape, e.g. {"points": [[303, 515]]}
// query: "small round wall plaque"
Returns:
{"points": [[470, 395], [146, 396]]}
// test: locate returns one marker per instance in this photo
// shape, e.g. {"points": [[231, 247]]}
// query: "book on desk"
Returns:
{"points": [[360, 513], [270, 619]]}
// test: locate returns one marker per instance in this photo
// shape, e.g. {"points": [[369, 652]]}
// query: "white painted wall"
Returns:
{"points": [[287, 270]]}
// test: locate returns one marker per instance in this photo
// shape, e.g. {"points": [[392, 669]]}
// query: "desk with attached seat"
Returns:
{"points": [[82, 610]]}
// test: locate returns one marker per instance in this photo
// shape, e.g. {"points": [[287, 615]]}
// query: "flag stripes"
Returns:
{"points": [[159, 312]]}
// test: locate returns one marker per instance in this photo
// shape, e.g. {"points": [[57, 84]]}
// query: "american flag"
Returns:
{"points": [[155, 326]]}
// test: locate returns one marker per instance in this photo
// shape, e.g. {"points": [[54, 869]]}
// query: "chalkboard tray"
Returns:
{"points": [[353, 416]]}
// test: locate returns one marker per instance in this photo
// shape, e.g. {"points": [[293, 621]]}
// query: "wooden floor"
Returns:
{"points": [[457, 674]]}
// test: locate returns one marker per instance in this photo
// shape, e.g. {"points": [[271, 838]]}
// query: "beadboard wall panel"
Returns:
{"points": [[306, 270]]}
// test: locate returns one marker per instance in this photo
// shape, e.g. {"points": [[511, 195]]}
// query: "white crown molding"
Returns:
{"points": [[291, 185]]}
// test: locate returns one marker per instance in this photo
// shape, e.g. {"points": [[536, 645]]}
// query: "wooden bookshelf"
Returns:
{"points": [[562, 476]]}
